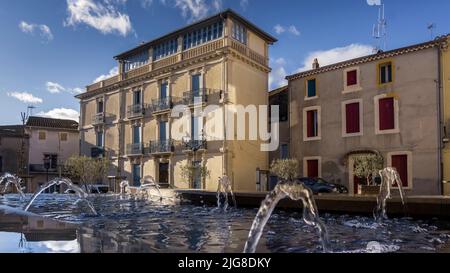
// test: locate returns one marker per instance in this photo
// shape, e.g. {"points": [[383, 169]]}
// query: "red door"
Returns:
{"points": [[400, 162], [313, 168]]}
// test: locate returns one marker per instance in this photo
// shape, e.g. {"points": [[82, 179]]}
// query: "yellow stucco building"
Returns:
{"points": [[222, 60]]}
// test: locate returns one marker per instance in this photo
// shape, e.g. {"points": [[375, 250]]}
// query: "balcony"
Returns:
{"points": [[135, 149], [195, 97], [195, 145], [98, 119], [40, 168], [161, 147], [135, 111], [97, 152], [161, 105]]}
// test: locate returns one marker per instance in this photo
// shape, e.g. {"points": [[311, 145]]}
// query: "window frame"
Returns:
{"points": [[305, 165], [281, 150], [305, 124], [409, 155], [39, 135], [344, 118], [63, 134], [396, 129], [352, 88], [379, 66], [307, 98], [97, 133]]}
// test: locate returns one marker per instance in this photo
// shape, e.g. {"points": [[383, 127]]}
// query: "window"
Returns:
{"points": [[163, 90], [165, 49], [385, 73], [163, 130], [352, 121], [137, 134], [136, 61], [203, 35], [196, 128], [100, 139], [352, 78], [311, 88], [137, 97], [136, 172], [386, 115], [312, 167], [239, 33], [42, 135], [63, 137], [53, 161], [284, 151], [100, 108], [311, 124], [402, 162]]}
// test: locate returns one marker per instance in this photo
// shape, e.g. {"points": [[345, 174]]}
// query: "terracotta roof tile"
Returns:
{"points": [[52, 123]]}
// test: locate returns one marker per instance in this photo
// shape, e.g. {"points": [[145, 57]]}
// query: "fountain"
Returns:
{"points": [[123, 186], [295, 191], [223, 189], [143, 189], [82, 195], [9, 179], [389, 177]]}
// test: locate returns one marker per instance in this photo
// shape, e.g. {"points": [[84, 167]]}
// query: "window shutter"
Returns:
{"points": [[311, 117], [312, 92], [352, 78], [352, 118], [387, 114]]}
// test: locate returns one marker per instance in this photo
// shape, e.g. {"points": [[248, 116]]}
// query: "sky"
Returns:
{"points": [[51, 49]]}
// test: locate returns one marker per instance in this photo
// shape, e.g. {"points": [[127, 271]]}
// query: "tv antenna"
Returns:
{"points": [[379, 29], [431, 27], [30, 110]]}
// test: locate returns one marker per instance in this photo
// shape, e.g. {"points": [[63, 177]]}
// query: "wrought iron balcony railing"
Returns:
{"points": [[98, 119], [195, 96], [160, 105], [135, 149], [195, 145], [136, 110], [161, 147]]}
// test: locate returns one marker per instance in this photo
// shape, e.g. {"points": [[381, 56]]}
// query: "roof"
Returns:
{"points": [[224, 14], [52, 123], [11, 131], [278, 90], [374, 57]]}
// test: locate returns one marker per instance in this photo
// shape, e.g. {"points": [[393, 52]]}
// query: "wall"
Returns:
{"points": [[446, 115]]}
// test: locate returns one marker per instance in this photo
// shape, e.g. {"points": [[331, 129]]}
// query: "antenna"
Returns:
{"points": [[379, 29], [30, 110], [431, 27]]}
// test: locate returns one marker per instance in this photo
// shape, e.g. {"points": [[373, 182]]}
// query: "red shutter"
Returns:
{"points": [[352, 118], [310, 116], [387, 115], [400, 162], [352, 78], [313, 168]]}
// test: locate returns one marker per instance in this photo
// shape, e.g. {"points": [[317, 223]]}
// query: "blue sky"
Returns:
{"points": [[51, 49]]}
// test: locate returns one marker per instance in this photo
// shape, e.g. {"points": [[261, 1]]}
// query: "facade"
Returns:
{"points": [[14, 145], [223, 61], [54, 139], [393, 103]]}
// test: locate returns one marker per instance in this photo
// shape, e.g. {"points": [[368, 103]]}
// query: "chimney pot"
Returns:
{"points": [[316, 64]]}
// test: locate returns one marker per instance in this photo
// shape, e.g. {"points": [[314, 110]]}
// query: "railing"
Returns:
{"points": [[135, 149], [195, 145], [40, 168], [195, 97], [161, 147], [98, 119], [160, 105], [185, 55], [97, 152], [135, 111]]}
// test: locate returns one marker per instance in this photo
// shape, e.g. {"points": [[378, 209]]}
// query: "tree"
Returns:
{"points": [[367, 166], [86, 169], [286, 169], [188, 172]]}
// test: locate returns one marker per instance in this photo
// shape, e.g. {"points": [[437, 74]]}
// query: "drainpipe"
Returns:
{"points": [[440, 119]]}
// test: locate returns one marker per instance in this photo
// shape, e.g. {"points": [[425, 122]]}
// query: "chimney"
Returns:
{"points": [[316, 64]]}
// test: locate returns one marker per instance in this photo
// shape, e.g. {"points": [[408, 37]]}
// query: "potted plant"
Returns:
{"points": [[285, 169], [366, 168]]}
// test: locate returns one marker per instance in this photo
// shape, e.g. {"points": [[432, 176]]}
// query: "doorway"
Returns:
{"points": [[197, 181], [163, 175]]}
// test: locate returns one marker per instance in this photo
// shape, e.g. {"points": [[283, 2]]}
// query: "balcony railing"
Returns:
{"points": [[161, 147], [136, 111], [196, 52], [40, 168], [98, 119], [161, 105], [97, 152], [195, 145], [135, 149], [195, 97]]}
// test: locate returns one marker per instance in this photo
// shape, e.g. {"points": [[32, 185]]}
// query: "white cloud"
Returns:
{"points": [[25, 97], [335, 55], [277, 77], [43, 30], [279, 29], [194, 9], [146, 3], [56, 88], [113, 72], [61, 113], [373, 2], [103, 16]]}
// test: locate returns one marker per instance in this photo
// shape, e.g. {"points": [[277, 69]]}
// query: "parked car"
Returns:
{"points": [[319, 185]]}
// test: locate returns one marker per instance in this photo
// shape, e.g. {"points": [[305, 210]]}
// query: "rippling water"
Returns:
{"points": [[128, 225]]}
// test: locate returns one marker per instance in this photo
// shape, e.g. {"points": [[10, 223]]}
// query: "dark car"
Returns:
{"points": [[319, 185]]}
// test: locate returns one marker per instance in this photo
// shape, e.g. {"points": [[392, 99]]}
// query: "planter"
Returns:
{"points": [[369, 190]]}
